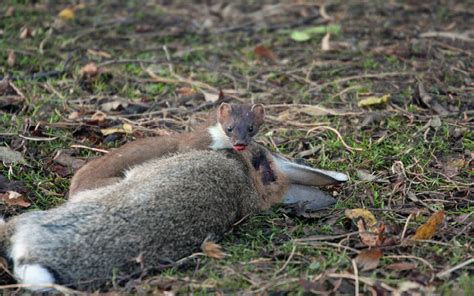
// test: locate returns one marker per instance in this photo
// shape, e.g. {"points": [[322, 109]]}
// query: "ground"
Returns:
{"points": [[77, 70]]}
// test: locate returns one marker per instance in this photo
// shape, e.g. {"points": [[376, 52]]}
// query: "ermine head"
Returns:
{"points": [[240, 123]]}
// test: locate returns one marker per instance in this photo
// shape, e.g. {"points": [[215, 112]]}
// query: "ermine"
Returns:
{"points": [[231, 126], [161, 211]]}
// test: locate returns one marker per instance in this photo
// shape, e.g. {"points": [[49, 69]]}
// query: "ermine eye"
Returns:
{"points": [[251, 128], [229, 129]]}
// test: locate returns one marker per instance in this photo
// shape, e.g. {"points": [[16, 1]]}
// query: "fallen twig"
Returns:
{"points": [[464, 36], [338, 135], [89, 148], [38, 139], [454, 268], [286, 262]]}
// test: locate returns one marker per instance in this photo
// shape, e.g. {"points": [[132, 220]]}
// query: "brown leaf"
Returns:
{"points": [[65, 159], [210, 97], [369, 259], [99, 53], [263, 52], [74, 115], [212, 250], [143, 28], [26, 32], [186, 91], [4, 86], [3, 265], [316, 110], [60, 170], [372, 238], [401, 266], [11, 58], [452, 165], [7, 185], [422, 97], [10, 11], [325, 45], [13, 198], [370, 234], [99, 116], [368, 217], [428, 230], [90, 69], [113, 106]]}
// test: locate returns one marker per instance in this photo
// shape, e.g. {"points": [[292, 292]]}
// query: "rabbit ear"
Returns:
{"points": [[310, 198], [305, 175]]}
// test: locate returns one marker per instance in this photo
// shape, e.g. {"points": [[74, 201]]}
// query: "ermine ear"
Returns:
{"points": [[223, 112], [259, 112]]}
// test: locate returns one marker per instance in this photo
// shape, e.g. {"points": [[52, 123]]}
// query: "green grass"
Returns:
{"points": [[260, 246]]}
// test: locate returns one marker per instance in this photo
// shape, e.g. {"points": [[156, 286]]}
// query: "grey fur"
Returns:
{"points": [[162, 210]]}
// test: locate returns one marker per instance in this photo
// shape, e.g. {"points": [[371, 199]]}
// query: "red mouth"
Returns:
{"points": [[240, 147]]}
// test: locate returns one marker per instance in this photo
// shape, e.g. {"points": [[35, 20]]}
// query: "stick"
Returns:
{"points": [[338, 135], [454, 268]]}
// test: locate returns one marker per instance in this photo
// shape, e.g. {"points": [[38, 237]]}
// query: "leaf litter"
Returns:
{"points": [[405, 142]]}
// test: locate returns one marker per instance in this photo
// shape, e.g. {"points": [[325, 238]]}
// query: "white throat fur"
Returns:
{"points": [[219, 138]]}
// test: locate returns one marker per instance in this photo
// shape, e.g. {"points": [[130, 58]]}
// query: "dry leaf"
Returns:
{"points": [[369, 259], [67, 14], [428, 230], [186, 91], [210, 97], [73, 115], [371, 237], [373, 101], [89, 69], [284, 115], [143, 28], [452, 165], [325, 46], [10, 11], [26, 32], [11, 58], [401, 266], [99, 116], [99, 53], [4, 86], [65, 159], [113, 106], [124, 129], [424, 99], [128, 128], [317, 111], [365, 176], [263, 52], [7, 185], [370, 234], [3, 266], [9, 156], [366, 215], [13, 198], [212, 250]]}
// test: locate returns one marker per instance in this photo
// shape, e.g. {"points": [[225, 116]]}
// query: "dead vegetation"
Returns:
{"points": [[382, 91]]}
